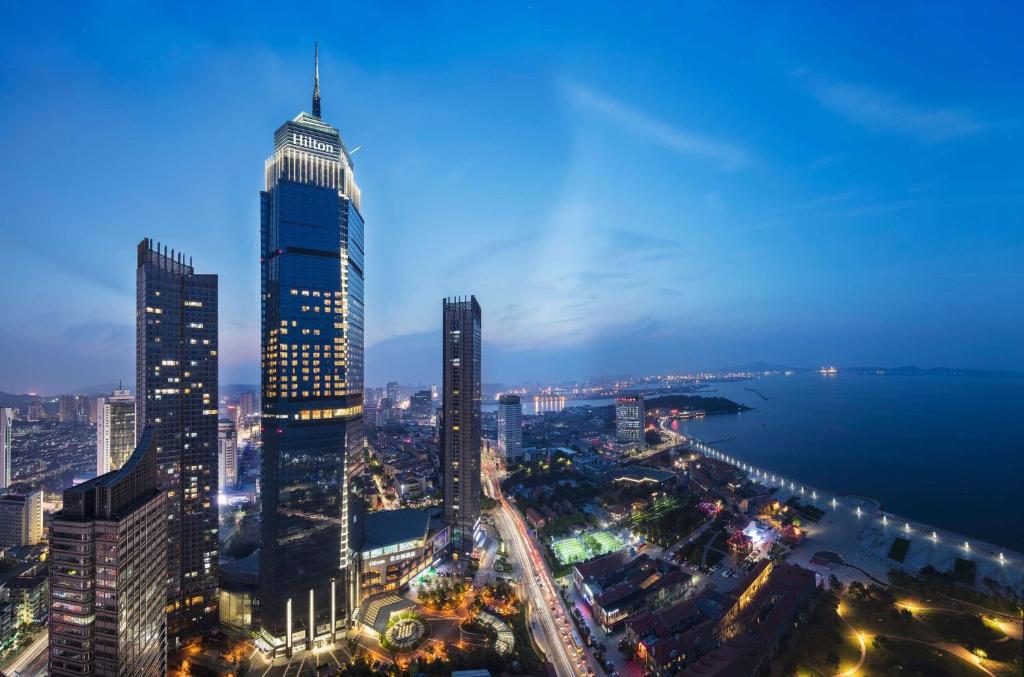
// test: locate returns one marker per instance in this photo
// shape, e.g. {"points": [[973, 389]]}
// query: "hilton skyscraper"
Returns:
{"points": [[312, 381], [460, 425], [176, 384]]}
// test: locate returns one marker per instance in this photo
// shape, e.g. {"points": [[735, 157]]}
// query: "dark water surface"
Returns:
{"points": [[945, 450]]}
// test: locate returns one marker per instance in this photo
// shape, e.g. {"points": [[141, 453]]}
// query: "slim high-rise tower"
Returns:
{"points": [[6, 441], [115, 430], [176, 388], [510, 428], [460, 429], [312, 384], [107, 560], [227, 454]]}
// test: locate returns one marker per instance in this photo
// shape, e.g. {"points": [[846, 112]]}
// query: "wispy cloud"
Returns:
{"points": [[663, 133], [885, 112], [483, 254]]}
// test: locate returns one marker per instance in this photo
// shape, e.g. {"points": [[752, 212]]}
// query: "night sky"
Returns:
{"points": [[627, 188]]}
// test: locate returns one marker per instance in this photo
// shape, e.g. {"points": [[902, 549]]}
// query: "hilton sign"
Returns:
{"points": [[311, 143]]}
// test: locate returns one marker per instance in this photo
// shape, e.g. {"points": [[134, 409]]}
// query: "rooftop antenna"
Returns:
{"points": [[316, 80]]}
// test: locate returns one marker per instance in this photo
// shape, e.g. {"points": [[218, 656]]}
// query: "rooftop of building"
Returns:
{"points": [[641, 473], [665, 621], [641, 586], [738, 657], [391, 527], [600, 567]]}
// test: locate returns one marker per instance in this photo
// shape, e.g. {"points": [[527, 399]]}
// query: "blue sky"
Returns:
{"points": [[626, 187]]}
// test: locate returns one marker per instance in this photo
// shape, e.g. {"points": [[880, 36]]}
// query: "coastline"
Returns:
{"points": [[940, 449], [857, 528]]}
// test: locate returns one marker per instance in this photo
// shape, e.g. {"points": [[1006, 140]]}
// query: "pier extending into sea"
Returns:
{"points": [[858, 529]]}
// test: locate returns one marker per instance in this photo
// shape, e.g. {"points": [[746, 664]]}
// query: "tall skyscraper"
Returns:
{"points": [[176, 391], [107, 570], [312, 383], [6, 442], [227, 454], [629, 419], [460, 432], [115, 430], [510, 428]]}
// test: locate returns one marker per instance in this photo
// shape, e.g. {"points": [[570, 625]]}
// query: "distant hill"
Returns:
{"points": [[752, 367], [16, 401], [934, 371], [100, 388]]}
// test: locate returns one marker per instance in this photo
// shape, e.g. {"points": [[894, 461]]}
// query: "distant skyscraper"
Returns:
{"points": [[227, 454], [108, 553], [385, 411], [176, 391], [246, 404], [312, 383], [510, 428], [115, 430], [36, 411], [6, 444], [71, 408], [392, 392], [460, 432], [421, 404], [21, 519], [629, 419]]}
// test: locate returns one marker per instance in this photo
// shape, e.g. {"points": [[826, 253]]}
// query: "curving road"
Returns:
{"points": [[548, 617], [32, 661]]}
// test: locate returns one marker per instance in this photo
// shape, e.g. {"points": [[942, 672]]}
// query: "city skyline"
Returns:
{"points": [[828, 206]]}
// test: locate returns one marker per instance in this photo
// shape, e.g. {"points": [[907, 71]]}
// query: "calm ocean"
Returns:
{"points": [[940, 449]]}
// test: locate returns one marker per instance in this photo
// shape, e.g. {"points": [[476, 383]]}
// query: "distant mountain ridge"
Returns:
{"points": [[905, 370]]}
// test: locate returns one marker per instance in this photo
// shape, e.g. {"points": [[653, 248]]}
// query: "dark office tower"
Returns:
{"points": [[312, 385], [460, 433], [176, 391], [107, 569]]}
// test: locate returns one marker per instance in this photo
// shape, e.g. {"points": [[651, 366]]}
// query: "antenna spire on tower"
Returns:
{"points": [[316, 80]]}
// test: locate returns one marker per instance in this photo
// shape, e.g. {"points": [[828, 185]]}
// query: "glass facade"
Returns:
{"points": [[176, 384], [312, 381], [460, 425], [107, 572]]}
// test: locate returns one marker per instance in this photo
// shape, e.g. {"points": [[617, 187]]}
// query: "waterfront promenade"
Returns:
{"points": [[862, 533]]}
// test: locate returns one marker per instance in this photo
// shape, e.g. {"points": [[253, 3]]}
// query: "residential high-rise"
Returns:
{"points": [[6, 444], [421, 404], [227, 454], [460, 431], [629, 419], [510, 428], [72, 408], [246, 404], [176, 391], [312, 384], [21, 519], [36, 412], [385, 411], [392, 392], [108, 553], [115, 430]]}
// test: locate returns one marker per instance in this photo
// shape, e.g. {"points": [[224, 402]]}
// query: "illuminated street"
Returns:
{"points": [[31, 662], [548, 619]]}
